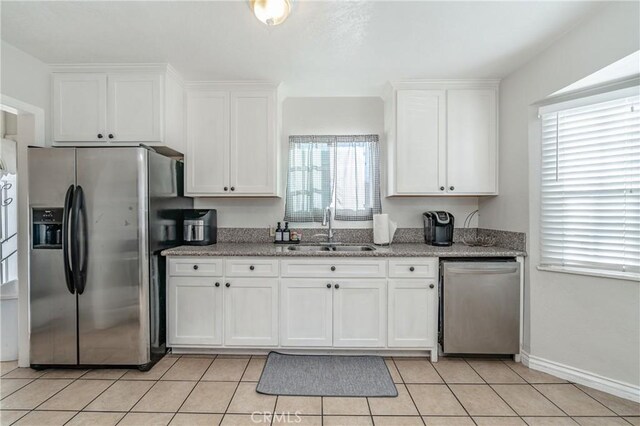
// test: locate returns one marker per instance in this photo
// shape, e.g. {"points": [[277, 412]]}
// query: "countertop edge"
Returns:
{"points": [[401, 250]]}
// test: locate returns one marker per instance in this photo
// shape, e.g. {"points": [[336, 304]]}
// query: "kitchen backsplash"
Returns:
{"points": [[505, 239]]}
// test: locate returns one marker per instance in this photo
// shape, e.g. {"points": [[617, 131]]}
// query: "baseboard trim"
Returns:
{"points": [[582, 377]]}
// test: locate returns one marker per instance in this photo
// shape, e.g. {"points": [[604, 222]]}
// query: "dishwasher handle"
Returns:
{"points": [[484, 271]]}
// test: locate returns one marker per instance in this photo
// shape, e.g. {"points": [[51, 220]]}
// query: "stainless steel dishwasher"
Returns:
{"points": [[480, 307]]}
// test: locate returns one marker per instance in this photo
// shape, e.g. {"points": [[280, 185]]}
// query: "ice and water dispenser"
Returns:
{"points": [[47, 228]]}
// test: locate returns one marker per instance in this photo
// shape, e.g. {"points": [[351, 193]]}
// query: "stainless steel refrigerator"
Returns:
{"points": [[99, 219]]}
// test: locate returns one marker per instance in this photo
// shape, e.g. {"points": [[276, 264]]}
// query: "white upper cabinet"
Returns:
{"points": [[442, 138], [79, 107], [134, 108], [471, 141], [207, 156], [253, 141], [420, 139], [118, 105], [232, 135]]}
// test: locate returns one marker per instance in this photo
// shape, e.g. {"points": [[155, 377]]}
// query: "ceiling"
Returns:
{"points": [[341, 48]]}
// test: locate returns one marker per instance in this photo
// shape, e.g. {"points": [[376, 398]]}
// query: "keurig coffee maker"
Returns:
{"points": [[200, 227], [438, 228]]}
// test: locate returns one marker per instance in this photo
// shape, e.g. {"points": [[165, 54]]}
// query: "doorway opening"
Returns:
{"points": [[9, 309]]}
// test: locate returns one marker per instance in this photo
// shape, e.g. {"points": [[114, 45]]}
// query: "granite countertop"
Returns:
{"points": [[394, 250]]}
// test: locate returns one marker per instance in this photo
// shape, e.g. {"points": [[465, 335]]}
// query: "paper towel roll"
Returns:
{"points": [[383, 229]]}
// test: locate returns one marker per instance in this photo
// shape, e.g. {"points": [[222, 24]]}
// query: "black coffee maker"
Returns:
{"points": [[438, 228]]}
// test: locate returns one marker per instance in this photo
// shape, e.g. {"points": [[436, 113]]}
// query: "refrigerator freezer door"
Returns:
{"points": [[52, 306], [481, 307], [113, 309]]}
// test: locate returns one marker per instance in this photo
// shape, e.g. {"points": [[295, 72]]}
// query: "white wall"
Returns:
{"points": [[357, 115], [588, 323], [26, 79]]}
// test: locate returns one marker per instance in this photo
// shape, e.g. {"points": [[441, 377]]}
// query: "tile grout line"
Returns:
{"points": [[192, 389], [148, 390], [63, 388], [274, 408], [526, 383], [89, 403], [26, 384], [586, 393], [452, 392], [235, 390], [29, 411], [408, 392], [493, 390]]}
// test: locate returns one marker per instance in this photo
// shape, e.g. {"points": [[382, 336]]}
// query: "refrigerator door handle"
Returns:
{"points": [[68, 274], [84, 242], [79, 248]]}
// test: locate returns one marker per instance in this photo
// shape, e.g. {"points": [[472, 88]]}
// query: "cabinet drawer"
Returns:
{"points": [[251, 267], [195, 267], [334, 268], [413, 268]]}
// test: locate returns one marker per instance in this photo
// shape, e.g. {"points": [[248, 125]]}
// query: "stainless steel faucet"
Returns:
{"points": [[327, 220]]}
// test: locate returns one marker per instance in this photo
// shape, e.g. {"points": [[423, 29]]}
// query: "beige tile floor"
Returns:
{"points": [[210, 390]]}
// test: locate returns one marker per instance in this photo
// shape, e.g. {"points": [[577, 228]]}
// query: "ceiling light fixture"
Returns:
{"points": [[271, 12]]}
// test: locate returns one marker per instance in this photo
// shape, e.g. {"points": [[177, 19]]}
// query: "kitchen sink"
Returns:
{"points": [[353, 248], [324, 248], [309, 248]]}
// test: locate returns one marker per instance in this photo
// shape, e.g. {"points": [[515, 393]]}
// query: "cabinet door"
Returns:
{"points": [[471, 141], [420, 142], [306, 312], [195, 311], [134, 108], [79, 107], [207, 156], [359, 313], [413, 307], [251, 312], [253, 144]]}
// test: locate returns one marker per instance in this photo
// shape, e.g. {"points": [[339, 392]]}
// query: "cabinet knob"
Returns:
{"points": [[227, 285], [337, 286], [431, 286], [99, 135], [451, 188], [195, 267], [442, 188], [110, 135], [233, 188], [252, 267], [328, 285], [217, 284], [333, 268], [412, 269], [226, 188]]}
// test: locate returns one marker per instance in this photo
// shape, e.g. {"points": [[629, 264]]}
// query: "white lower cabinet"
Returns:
{"points": [[195, 311], [413, 313], [303, 303], [306, 312], [359, 313], [251, 312]]}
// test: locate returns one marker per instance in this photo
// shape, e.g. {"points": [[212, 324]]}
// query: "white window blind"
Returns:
{"points": [[590, 214]]}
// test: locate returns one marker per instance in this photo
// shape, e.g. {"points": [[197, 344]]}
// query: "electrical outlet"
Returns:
{"points": [[272, 231]]}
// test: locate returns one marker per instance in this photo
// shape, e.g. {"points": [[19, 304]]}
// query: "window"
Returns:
{"points": [[591, 183], [342, 172]]}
